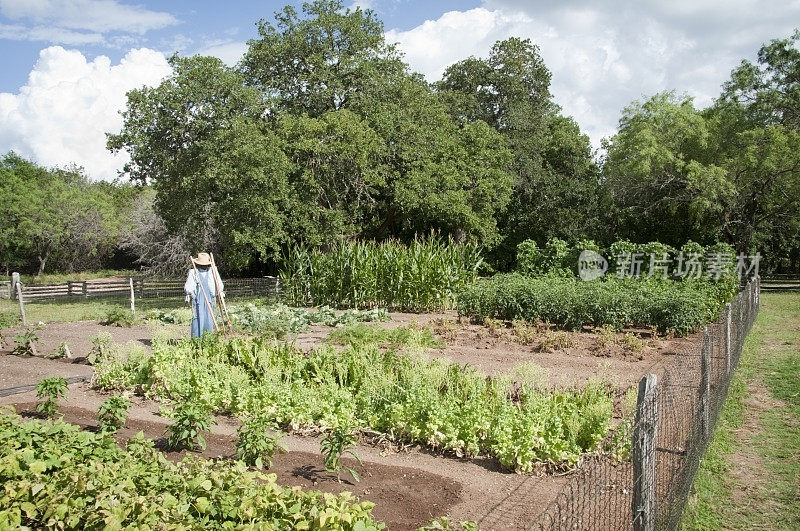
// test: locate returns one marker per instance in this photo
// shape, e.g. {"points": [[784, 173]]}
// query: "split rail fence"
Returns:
{"points": [[144, 288], [676, 412]]}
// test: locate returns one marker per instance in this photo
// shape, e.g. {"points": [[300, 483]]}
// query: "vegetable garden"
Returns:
{"points": [[350, 381]]}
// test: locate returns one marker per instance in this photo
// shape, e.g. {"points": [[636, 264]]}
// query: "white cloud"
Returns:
{"points": [[229, 52], [604, 54], [46, 34], [99, 16], [62, 114]]}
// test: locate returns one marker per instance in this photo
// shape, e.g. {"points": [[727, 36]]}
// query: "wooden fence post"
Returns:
{"points": [[84, 290], [644, 455], [705, 383], [13, 289], [727, 338], [133, 305], [21, 304]]}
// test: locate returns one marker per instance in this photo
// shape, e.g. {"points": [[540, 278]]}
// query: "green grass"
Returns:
{"points": [[770, 360], [83, 309]]}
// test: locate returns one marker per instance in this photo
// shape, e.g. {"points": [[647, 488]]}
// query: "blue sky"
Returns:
{"points": [[67, 64]]}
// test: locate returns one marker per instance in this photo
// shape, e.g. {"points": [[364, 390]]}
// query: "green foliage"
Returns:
{"points": [[679, 307], [50, 389], [112, 413], [176, 316], [37, 228], [123, 369], [447, 407], [421, 276], [445, 524], [118, 316], [255, 445], [337, 442], [402, 336], [101, 344], [189, 419], [56, 475], [25, 342], [277, 320]]}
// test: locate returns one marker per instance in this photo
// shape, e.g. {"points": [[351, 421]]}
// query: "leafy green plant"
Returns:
{"points": [[118, 316], [112, 413], [50, 389], [336, 443], [401, 336], [189, 419], [256, 446], [84, 480], [445, 524], [25, 342]]}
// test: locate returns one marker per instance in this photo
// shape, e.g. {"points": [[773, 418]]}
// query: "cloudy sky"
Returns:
{"points": [[66, 64]]}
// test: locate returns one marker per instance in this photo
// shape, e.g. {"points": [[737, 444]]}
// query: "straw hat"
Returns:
{"points": [[203, 259]]}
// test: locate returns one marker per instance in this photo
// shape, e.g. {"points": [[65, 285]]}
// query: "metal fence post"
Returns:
{"points": [[728, 364], [705, 384], [644, 455]]}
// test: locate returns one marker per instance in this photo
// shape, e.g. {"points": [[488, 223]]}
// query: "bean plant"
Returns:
{"points": [[189, 419], [258, 441]]}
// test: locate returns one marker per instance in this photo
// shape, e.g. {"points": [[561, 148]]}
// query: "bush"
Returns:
{"points": [[671, 306], [119, 317]]}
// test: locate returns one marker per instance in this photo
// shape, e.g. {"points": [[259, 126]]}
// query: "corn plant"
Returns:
{"points": [[423, 275], [50, 389], [337, 442]]}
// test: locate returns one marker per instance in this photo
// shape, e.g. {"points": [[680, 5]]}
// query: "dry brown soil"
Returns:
{"points": [[409, 486]]}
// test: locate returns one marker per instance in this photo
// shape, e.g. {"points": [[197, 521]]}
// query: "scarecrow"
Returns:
{"points": [[202, 287]]}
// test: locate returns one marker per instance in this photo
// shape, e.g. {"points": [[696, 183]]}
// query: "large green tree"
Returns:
{"points": [[54, 217], [556, 180], [321, 133]]}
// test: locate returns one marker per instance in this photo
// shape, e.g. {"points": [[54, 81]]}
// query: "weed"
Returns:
{"points": [[50, 389], [337, 442], [445, 328], [495, 327], [524, 332], [256, 445], [113, 413], [633, 343], [557, 340]]}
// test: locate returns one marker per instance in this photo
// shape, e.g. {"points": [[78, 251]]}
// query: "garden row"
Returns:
{"points": [[55, 475], [679, 307], [410, 398]]}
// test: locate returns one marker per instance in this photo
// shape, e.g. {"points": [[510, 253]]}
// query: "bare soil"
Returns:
{"points": [[409, 486]]}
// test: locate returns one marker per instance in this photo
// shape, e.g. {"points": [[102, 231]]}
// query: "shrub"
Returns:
{"points": [[119, 317]]}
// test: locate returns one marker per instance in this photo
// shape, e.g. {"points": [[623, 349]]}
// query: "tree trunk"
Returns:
{"points": [[42, 262]]}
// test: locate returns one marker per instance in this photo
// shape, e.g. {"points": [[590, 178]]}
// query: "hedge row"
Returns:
{"points": [[680, 307]]}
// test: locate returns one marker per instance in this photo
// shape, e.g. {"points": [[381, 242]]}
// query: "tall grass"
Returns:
{"points": [[422, 276]]}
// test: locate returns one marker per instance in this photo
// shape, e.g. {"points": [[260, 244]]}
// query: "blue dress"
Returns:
{"points": [[202, 318]]}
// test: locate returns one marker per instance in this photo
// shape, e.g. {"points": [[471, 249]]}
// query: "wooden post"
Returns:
{"points": [[644, 455], [133, 305], [727, 338], [14, 281], [21, 304], [84, 290], [705, 383]]}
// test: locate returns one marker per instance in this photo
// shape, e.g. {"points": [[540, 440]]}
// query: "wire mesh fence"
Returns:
{"points": [[677, 409]]}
